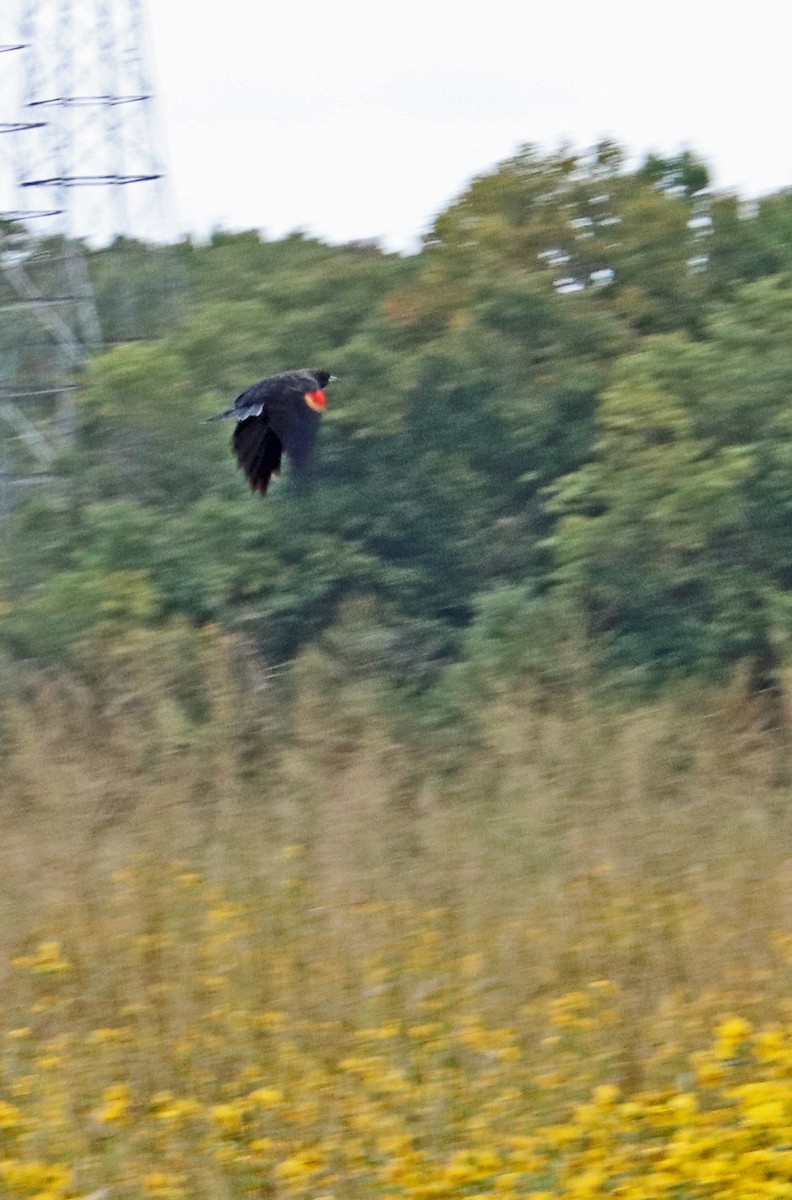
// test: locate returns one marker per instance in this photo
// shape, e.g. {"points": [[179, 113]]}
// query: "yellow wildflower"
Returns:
{"points": [[115, 1107], [266, 1097], [229, 1117]]}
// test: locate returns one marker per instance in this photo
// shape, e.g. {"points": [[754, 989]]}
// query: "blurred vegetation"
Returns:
{"points": [[422, 830], [333, 965], [567, 417]]}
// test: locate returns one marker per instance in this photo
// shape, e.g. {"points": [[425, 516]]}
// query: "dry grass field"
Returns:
{"points": [[240, 961]]}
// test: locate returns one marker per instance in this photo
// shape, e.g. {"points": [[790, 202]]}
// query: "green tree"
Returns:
{"points": [[676, 536]]}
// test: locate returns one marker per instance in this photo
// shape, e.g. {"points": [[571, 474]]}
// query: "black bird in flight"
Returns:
{"points": [[277, 414]]}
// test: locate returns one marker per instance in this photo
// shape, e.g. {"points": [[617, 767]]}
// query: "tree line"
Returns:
{"points": [[565, 422]]}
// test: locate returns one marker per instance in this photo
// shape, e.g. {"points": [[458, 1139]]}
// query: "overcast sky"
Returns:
{"points": [[361, 120]]}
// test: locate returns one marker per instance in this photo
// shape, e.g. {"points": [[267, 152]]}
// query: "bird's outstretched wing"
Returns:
{"points": [[297, 429], [258, 450]]}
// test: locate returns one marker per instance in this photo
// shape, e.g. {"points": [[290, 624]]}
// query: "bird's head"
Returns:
{"points": [[316, 399]]}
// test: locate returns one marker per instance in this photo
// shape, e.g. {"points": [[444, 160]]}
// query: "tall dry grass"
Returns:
{"points": [[195, 906], [650, 845]]}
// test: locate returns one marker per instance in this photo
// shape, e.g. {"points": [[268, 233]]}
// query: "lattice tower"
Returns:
{"points": [[81, 169]]}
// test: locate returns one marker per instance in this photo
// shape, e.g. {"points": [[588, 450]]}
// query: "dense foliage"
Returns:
{"points": [[566, 418], [512, 937]]}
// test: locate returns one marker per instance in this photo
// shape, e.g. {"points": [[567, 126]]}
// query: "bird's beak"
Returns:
{"points": [[332, 379]]}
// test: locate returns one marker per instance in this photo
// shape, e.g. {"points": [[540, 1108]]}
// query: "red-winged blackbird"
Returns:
{"points": [[277, 414]]}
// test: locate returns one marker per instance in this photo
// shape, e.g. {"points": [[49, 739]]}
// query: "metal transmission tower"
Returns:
{"points": [[86, 175]]}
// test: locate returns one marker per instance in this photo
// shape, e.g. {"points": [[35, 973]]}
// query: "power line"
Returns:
{"points": [[86, 171]]}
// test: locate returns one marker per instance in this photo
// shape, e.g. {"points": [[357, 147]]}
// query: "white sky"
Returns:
{"points": [[358, 120]]}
